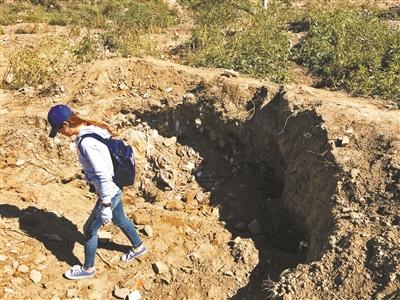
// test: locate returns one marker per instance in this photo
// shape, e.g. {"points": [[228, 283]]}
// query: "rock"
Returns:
{"points": [[174, 205], [15, 265], [35, 276], [189, 96], [17, 281], [104, 237], [148, 230], [134, 295], [3, 258], [120, 293], [343, 141], [72, 293], [160, 267], [191, 205], [169, 89], [148, 284], [349, 131], [8, 290], [170, 141], [215, 292], [167, 178], [122, 86], [20, 162], [254, 227], [228, 273], [141, 218], [23, 269], [230, 73], [215, 212]]}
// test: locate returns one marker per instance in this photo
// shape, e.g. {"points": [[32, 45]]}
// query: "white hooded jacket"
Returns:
{"points": [[96, 162]]}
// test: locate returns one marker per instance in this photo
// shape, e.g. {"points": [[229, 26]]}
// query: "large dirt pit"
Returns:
{"points": [[244, 190]]}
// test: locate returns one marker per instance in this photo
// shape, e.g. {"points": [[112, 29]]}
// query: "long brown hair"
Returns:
{"points": [[75, 121]]}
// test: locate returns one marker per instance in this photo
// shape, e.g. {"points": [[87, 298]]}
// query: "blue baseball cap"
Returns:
{"points": [[57, 115]]}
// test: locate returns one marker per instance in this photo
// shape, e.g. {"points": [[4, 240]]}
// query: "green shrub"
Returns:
{"points": [[86, 50], [236, 35], [352, 49]]}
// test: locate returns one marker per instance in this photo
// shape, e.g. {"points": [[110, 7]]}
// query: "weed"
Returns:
{"points": [[86, 50], [41, 63], [237, 35], [352, 49]]}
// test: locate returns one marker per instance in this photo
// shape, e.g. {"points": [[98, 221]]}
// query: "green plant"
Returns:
{"points": [[86, 49], [351, 49], [35, 65], [240, 36]]}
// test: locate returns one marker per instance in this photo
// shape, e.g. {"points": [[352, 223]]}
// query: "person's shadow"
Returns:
{"points": [[57, 233]]}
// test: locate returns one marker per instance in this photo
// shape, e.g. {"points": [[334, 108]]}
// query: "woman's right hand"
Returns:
{"points": [[106, 214]]}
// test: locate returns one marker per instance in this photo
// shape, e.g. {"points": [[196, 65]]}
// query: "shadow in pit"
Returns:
{"points": [[242, 182], [46, 226]]}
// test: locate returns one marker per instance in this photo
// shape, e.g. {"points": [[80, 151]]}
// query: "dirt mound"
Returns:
{"points": [[244, 190]]}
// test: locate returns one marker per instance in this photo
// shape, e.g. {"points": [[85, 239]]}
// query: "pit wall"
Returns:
{"points": [[289, 141]]}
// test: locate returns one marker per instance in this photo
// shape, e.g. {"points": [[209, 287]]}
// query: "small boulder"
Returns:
{"points": [[120, 293], [23, 269], [160, 267], [35, 276], [148, 230]]}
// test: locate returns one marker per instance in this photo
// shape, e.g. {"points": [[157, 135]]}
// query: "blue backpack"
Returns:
{"points": [[122, 157]]}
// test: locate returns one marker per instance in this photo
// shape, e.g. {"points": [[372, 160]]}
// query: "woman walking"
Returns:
{"points": [[98, 168]]}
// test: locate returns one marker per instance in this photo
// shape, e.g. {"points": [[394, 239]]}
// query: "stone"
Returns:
{"points": [[228, 273], [8, 290], [230, 73], [254, 227], [189, 96], [120, 293], [345, 140], [104, 237], [215, 292], [3, 258], [17, 281], [72, 293], [23, 269], [170, 141], [160, 267], [169, 89], [349, 130], [168, 179], [122, 86], [148, 230], [191, 204], [174, 205], [15, 265], [20, 162], [141, 218], [35, 276]]}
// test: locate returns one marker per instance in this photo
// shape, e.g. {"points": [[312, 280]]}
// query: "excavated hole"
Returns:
{"points": [[245, 183]]}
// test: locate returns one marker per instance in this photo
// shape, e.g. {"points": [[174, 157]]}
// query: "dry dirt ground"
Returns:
{"points": [[244, 189]]}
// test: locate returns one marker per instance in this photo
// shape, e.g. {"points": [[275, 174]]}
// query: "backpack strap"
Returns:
{"points": [[92, 135]]}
